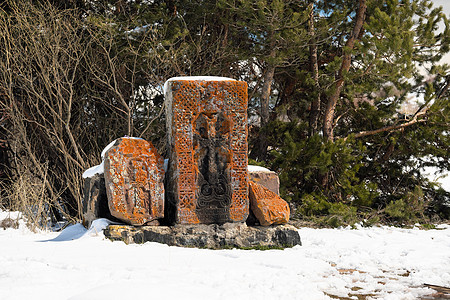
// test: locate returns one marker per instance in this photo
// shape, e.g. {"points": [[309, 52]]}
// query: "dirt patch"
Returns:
{"points": [[441, 292]]}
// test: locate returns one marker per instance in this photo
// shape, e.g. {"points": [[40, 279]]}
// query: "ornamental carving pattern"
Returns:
{"points": [[134, 180], [207, 176]]}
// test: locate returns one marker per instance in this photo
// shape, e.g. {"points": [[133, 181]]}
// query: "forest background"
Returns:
{"points": [[348, 100]]}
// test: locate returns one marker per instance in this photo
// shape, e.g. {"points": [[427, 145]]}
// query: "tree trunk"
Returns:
{"points": [[265, 95], [260, 149], [345, 66], [315, 104]]}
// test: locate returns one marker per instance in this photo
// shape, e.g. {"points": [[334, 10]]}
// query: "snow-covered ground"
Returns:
{"points": [[385, 262]]}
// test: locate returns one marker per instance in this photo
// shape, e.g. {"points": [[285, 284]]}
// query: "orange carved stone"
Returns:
{"points": [[134, 180], [267, 206], [207, 178]]}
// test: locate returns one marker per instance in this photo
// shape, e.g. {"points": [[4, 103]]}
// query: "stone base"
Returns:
{"points": [[229, 235]]}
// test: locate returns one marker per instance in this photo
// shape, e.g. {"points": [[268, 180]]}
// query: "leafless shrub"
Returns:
{"points": [[44, 96], [69, 84]]}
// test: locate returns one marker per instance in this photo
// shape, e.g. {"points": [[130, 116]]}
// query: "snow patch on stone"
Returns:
{"points": [[109, 146], [98, 169], [98, 226], [253, 168]]}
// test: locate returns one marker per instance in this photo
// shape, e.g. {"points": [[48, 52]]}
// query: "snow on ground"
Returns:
{"points": [[385, 262]]}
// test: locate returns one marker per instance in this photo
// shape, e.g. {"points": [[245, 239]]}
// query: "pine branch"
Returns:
{"points": [[391, 127], [421, 111]]}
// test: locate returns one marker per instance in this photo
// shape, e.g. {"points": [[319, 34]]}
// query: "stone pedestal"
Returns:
{"points": [[134, 180], [229, 235], [207, 180]]}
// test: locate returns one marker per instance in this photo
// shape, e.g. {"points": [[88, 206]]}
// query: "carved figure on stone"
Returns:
{"points": [[212, 154]]}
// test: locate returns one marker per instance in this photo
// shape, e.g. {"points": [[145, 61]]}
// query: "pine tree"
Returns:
{"points": [[269, 35], [371, 60]]}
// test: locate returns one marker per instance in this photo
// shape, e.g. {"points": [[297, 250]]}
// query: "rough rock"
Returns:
{"points": [[268, 207], [207, 177], [268, 179], [134, 180], [95, 201], [229, 235], [9, 223]]}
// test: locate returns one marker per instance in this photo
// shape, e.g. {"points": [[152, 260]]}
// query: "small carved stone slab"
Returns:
{"points": [[134, 179], [207, 180], [267, 206]]}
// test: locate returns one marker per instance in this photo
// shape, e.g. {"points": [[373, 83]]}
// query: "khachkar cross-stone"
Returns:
{"points": [[207, 177]]}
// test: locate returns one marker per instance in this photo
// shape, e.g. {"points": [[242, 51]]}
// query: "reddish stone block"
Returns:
{"points": [[134, 179], [207, 178], [266, 178], [267, 206]]}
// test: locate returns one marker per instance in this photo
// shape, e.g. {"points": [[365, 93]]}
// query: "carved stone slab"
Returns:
{"points": [[207, 180], [267, 206], [134, 180], [229, 235]]}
